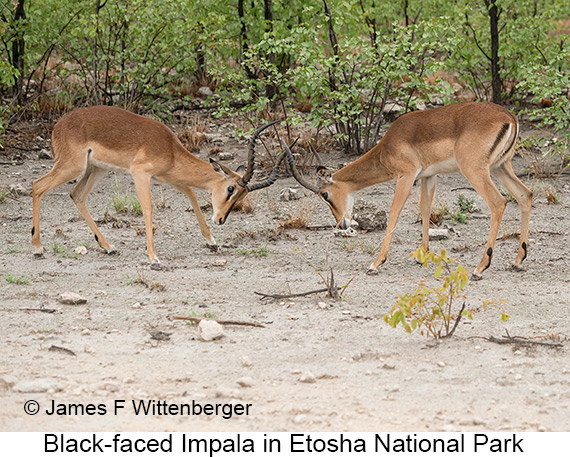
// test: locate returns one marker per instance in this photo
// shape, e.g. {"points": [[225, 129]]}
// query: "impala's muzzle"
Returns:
{"points": [[344, 223]]}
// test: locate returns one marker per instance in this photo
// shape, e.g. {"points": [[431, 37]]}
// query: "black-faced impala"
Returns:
{"points": [[476, 139], [92, 141]]}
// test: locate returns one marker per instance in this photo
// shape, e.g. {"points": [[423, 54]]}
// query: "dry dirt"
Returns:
{"points": [[367, 376]]}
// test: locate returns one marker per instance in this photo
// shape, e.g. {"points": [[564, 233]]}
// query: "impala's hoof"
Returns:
{"points": [[213, 247], [39, 255], [517, 268], [156, 266], [475, 277], [372, 272], [111, 250]]}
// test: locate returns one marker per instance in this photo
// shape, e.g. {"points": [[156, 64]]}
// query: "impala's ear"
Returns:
{"points": [[324, 173], [221, 168], [240, 169]]}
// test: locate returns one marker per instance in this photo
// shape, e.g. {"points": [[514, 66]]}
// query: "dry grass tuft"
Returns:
{"points": [[192, 133]]}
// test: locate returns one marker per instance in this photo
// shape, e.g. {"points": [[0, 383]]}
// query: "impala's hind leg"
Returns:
{"points": [[79, 195], [426, 204], [56, 177], [523, 196]]}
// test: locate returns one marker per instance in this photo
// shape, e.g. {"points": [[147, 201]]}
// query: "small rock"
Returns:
{"points": [[299, 418], [81, 250], [205, 91], [389, 366], [88, 349], [160, 335], [219, 263], [348, 233], [323, 305], [245, 381], [86, 331], [441, 364], [36, 386], [288, 194], [368, 216], [210, 330], [44, 154], [137, 305], [18, 190], [246, 361], [71, 298], [225, 156], [438, 234], [307, 377]]}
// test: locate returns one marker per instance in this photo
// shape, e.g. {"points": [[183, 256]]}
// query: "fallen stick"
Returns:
{"points": [[302, 294], [41, 310], [197, 320], [55, 348]]}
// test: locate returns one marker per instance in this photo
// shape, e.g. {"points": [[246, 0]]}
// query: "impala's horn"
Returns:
{"points": [[251, 155], [298, 176], [273, 176]]}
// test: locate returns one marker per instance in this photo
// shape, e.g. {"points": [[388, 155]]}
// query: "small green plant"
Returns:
{"points": [[3, 193], [465, 206], [254, 252], [140, 279], [124, 202], [12, 250], [58, 248], [432, 310], [19, 280]]}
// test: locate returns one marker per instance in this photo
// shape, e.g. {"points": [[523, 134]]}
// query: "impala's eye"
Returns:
{"points": [[325, 196], [231, 189]]}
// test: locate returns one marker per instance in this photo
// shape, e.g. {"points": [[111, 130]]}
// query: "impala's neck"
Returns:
{"points": [[195, 172], [365, 171]]}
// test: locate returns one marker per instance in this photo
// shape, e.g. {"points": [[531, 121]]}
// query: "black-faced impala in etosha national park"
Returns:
{"points": [[476, 139], [91, 141]]}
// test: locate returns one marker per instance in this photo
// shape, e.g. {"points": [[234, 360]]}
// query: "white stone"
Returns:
{"points": [[81, 250], [71, 298], [210, 330]]}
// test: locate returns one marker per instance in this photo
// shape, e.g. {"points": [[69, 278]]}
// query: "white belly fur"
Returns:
{"points": [[447, 166]]}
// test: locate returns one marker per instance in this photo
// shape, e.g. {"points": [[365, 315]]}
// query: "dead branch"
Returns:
{"points": [[41, 310], [55, 348], [508, 339], [197, 321], [302, 294]]}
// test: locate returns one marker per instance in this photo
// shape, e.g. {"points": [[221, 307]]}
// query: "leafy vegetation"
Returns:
{"points": [[433, 309], [345, 66]]}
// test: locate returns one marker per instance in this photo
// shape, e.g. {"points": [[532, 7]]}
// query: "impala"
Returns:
{"points": [[476, 139], [91, 141]]}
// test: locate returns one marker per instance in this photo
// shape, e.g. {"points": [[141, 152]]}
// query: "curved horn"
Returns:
{"points": [[270, 179], [299, 177], [273, 176], [251, 155], [314, 151]]}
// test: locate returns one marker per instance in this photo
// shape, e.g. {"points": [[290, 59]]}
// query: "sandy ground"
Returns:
{"points": [[363, 375]]}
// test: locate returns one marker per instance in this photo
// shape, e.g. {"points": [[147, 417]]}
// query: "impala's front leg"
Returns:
{"points": [[426, 204], [401, 194], [142, 186], [191, 194]]}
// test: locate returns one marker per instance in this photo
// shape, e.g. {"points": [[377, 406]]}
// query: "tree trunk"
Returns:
{"points": [[19, 51], [270, 89], [496, 83]]}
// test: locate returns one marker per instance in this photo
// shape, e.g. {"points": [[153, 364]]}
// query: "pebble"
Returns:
{"points": [[210, 330], [288, 194], [245, 381], [441, 364], [438, 234], [307, 377], [246, 361], [323, 305], [300, 418], [81, 250], [389, 366], [219, 263], [71, 298]]}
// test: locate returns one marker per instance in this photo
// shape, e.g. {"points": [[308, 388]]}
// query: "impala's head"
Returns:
{"points": [[235, 185], [336, 194]]}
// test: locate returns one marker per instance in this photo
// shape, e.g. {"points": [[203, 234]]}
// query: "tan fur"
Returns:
{"points": [[100, 138], [458, 137]]}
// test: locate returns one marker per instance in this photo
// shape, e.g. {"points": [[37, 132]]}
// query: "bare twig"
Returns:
{"points": [[197, 321], [41, 310], [508, 339], [55, 348], [302, 294]]}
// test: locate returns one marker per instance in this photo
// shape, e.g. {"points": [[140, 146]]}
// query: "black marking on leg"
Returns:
{"points": [[97, 239], [33, 231], [524, 246], [490, 254]]}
